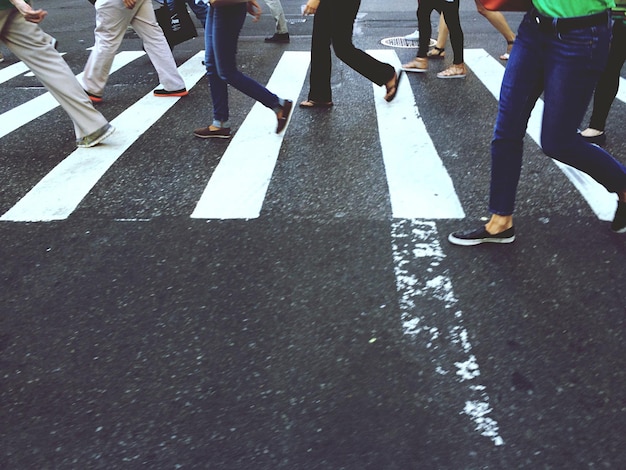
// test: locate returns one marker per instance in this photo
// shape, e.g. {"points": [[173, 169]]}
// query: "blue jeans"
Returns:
{"points": [[221, 33], [565, 68]]}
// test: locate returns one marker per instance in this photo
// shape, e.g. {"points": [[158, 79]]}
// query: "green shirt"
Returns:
{"points": [[571, 8]]}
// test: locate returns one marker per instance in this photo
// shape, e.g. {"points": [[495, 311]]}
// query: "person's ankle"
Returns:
{"points": [[591, 132], [497, 226]]}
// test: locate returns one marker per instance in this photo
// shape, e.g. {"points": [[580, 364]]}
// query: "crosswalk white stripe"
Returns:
{"points": [[237, 188], [12, 71], [490, 72], [23, 114], [621, 91], [58, 194], [419, 185]]}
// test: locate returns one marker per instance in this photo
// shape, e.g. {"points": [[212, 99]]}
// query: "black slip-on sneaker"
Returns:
{"points": [[478, 236]]}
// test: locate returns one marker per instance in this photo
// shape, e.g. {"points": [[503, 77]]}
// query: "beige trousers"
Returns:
{"points": [[112, 20], [32, 46]]}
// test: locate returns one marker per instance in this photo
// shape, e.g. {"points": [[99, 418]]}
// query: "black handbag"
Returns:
{"points": [[177, 26]]}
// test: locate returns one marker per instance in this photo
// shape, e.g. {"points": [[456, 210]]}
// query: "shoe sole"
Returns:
{"points": [[406, 69], [214, 136], [463, 242], [451, 76], [108, 133], [162, 95]]}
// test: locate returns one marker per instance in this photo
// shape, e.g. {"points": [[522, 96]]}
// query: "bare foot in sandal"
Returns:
{"points": [[316, 104], [436, 53], [507, 54]]}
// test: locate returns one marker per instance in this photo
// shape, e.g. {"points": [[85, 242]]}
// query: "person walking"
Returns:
{"points": [[221, 35], [333, 25], [449, 9], [281, 35], [606, 89], [496, 19], [21, 33], [560, 51], [112, 19]]}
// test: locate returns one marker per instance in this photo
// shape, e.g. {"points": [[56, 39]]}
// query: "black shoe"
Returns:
{"points": [[281, 38], [619, 221], [282, 121], [163, 92], [208, 133], [476, 237], [599, 139]]}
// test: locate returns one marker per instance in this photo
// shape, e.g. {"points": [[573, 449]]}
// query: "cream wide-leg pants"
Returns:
{"points": [[112, 20]]}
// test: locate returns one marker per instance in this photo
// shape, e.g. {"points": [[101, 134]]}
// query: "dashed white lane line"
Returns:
{"points": [[419, 184], [419, 276], [58, 194], [237, 188], [490, 72]]}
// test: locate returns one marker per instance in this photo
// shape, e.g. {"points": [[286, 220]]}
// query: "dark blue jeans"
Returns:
{"points": [[565, 68], [221, 33]]}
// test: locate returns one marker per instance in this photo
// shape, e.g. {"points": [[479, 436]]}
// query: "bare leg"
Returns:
{"points": [[438, 50], [499, 223], [499, 22]]}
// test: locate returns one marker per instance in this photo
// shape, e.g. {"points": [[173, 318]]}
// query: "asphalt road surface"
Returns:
{"points": [[291, 302]]}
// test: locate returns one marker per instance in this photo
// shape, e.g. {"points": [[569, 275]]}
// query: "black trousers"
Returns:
{"points": [[450, 12], [333, 25]]}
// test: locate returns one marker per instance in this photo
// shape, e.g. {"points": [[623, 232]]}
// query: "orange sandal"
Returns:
{"points": [[454, 71]]}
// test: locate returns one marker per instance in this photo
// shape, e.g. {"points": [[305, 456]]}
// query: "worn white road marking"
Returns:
{"points": [[58, 194], [419, 185], [417, 263], [621, 91], [23, 114], [237, 188], [12, 71], [491, 72]]}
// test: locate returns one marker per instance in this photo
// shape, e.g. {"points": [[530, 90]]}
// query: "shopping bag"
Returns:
{"points": [[177, 25], [507, 5]]}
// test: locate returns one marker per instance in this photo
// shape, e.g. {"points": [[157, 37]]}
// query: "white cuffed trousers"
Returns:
{"points": [[276, 9], [112, 20]]}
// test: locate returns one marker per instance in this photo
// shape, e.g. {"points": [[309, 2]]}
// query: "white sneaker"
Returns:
{"points": [[414, 36]]}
